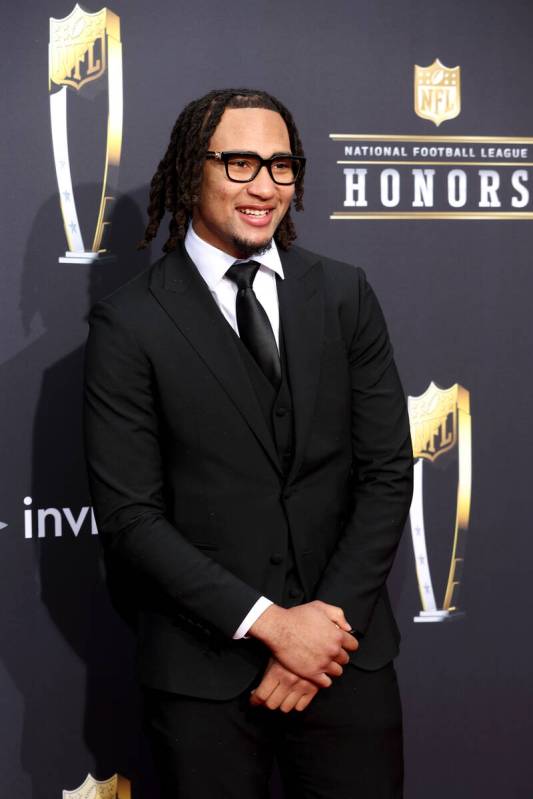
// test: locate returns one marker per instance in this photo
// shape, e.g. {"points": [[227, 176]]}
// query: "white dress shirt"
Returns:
{"points": [[213, 264]]}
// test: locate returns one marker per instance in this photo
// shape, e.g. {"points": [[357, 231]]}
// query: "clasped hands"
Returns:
{"points": [[309, 644]]}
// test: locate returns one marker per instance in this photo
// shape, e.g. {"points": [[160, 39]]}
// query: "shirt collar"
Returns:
{"points": [[213, 263]]}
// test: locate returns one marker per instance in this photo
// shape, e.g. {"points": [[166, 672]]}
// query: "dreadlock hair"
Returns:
{"points": [[175, 186]]}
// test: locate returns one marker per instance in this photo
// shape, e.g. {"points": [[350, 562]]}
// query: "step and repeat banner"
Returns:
{"points": [[417, 123]]}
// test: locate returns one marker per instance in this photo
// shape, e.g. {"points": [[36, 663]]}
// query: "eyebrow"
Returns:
{"points": [[254, 152]]}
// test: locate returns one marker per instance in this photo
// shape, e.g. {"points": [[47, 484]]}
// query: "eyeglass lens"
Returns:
{"points": [[245, 167]]}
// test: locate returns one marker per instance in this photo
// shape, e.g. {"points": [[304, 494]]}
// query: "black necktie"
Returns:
{"points": [[255, 329]]}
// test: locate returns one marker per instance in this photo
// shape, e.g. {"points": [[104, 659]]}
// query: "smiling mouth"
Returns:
{"points": [[255, 212]]}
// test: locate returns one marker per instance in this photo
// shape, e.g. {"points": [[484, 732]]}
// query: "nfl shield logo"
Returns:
{"points": [[116, 787], [77, 50], [433, 420], [437, 92]]}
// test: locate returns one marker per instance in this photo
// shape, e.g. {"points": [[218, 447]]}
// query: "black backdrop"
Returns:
{"points": [[457, 296]]}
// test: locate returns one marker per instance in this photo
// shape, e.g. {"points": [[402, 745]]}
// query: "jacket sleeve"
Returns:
{"points": [[126, 480], [382, 468]]}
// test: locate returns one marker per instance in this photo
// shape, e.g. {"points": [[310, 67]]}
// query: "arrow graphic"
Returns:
{"points": [[2, 525]]}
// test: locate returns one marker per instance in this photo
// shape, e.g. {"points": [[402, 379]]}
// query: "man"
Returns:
{"points": [[250, 465]]}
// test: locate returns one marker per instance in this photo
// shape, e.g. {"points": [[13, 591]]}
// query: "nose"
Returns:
{"points": [[262, 185]]}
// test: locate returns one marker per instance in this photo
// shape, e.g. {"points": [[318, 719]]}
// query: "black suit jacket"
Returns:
{"points": [[190, 498]]}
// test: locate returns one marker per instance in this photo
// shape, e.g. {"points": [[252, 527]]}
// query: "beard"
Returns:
{"points": [[247, 249]]}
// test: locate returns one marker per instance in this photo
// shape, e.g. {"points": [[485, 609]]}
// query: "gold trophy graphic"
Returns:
{"points": [[116, 787], [84, 48], [440, 422]]}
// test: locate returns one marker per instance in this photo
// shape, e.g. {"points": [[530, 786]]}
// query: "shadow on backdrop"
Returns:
{"points": [[82, 686]]}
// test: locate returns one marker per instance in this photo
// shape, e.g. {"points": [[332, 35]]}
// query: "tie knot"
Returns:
{"points": [[243, 274]]}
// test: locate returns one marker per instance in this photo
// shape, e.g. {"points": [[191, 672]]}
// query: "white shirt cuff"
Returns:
{"points": [[259, 608]]}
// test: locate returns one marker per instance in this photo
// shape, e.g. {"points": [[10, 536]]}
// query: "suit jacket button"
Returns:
{"points": [[281, 410], [276, 559]]}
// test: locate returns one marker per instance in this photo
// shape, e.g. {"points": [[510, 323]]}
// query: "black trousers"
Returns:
{"points": [[347, 744]]}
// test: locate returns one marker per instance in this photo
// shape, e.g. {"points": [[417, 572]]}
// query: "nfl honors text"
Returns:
{"points": [[429, 176]]}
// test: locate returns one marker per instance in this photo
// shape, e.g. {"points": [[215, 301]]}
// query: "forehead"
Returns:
{"points": [[256, 129]]}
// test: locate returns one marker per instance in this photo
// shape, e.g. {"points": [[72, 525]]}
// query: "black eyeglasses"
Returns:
{"points": [[243, 167]]}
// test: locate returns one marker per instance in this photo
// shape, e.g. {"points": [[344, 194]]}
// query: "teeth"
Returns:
{"points": [[253, 212]]}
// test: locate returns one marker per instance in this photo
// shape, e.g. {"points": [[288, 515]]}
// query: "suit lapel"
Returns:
{"points": [[182, 292], [301, 304]]}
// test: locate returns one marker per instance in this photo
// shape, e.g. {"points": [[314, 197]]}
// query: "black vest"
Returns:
{"points": [[278, 412]]}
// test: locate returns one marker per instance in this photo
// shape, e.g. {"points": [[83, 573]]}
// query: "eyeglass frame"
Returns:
{"points": [[224, 156]]}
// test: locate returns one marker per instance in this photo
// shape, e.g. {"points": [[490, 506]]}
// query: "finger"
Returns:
{"points": [[349, 642], [343, 658], [265, 689], [334, 669], [321, 679], [277, 697], [337, 615], [304, 701], [290, 701]]}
